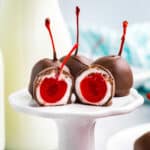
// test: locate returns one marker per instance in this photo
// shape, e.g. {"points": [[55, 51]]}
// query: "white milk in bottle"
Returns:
{"points": [[25, 40], [2, 132]]}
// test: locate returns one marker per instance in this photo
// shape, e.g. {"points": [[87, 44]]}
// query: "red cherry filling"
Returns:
{"points": [[93, 87], [52, 90]]}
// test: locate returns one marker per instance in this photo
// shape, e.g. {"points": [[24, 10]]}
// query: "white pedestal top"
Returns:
{"points": [[23, 102]]}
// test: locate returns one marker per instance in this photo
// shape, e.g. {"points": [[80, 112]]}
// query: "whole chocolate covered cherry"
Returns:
{"points": [[119, 68], [77, 62], [143, 142]]}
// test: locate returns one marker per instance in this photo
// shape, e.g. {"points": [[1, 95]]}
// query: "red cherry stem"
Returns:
{"points": [[47, 24], [125, 24], [77, 27], [66, 59]]}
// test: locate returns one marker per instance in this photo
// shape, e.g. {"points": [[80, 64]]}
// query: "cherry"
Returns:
{"points": [[52, 90], [77, 62], [143, 141], [93, 87], [46, 62], [119, 68]]}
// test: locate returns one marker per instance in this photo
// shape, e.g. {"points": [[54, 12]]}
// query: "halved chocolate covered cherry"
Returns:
{"points": [[46, 62], [95, 86], [143, 142], [49, 90], [53, 85]]}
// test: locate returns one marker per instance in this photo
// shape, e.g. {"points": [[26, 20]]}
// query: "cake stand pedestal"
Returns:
{"points": [[76, 134], [75, 122]]}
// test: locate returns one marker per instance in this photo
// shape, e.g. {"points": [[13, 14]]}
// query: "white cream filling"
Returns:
{"points": [[82, 76], [64, 99]]}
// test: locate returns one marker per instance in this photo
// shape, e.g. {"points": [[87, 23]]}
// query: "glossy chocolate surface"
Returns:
{"points": [[143, 142], [121, 71], [77, 63]]}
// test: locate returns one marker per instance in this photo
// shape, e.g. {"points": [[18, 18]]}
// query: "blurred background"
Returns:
{"points": [[24, 40]]}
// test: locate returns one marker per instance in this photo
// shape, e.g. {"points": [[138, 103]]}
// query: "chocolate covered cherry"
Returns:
{"points": [[143, 142], [50, 91], [46, 62], [119, 68], [77, 62], [95, 86], [53, 85]]}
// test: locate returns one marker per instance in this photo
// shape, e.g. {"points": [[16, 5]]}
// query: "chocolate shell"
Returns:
{"points": [[77, 63], [121, 72], [143, 142], [39, 66]]}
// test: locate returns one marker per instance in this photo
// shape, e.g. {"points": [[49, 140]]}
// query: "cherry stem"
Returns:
{"points": [[77, 27], [66, 59], [125, 24], [47, 24]]}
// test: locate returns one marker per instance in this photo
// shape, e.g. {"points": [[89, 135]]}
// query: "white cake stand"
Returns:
{"points": [[76, 122]]}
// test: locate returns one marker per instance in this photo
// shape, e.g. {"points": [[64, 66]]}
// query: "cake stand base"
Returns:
{"points": [[76, 134]]}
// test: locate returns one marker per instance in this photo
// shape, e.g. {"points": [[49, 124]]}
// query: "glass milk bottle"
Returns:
{"points": [[2, 137], [25, 40]]}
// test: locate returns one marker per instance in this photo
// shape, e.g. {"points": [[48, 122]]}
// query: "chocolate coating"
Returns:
{"points": [[77, 63], [38, 67], [143, 142], [120, 70]]}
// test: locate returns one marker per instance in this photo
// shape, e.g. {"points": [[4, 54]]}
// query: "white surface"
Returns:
{"points": [[23, 102], [76, 121], [2, 137], [125, 139]]}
